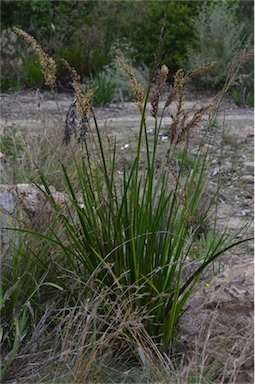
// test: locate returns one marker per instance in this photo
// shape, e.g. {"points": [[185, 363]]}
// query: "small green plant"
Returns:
{"points": [[104, 89], [243, 93]]}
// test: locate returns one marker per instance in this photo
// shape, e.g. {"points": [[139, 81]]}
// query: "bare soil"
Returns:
{"points": [[229, 143]]}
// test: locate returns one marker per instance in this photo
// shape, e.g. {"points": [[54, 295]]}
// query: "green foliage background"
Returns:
{"points": [[83, 32]]}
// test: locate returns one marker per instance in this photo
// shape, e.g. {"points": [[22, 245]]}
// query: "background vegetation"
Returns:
{"points": [[86, 34]]}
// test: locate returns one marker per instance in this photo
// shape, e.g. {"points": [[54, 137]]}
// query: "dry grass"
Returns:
{"points": [[115, 348]]}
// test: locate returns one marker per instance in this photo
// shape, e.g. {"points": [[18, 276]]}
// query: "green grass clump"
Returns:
{"points": [[102, 281], [104, 89], [243, 93]]}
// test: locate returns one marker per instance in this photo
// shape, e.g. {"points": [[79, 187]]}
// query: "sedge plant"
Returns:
{"points": [[137, 231], [130, 234]]}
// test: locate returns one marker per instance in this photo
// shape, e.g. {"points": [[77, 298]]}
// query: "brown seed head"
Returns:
{"points": [[185, 119], [238, 62], [74, 75], [84, 98], [198, 70], [159, 89], [178, 88], [47, 63], [137, 88]]}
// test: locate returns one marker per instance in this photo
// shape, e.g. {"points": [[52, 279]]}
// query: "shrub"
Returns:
{"points": [[173, 20], [22, 72], [242, 89], [83, 32], [85, 50], [68, 30], [10, 64], [218, 36]]}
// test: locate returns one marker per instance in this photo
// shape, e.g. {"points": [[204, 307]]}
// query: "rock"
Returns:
{"points": [[238, 134], [247, 130], [208, 148], [24, 203], [219, 318], [30, 197], [247, 179], [249, 165], [240, 130]]}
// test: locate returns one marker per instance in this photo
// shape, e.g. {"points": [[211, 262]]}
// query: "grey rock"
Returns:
{"points": [[249, 165], [20, 205], [247, 179], [219, 320]]}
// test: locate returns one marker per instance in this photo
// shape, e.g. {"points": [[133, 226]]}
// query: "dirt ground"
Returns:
{"points": [[229, 143]]}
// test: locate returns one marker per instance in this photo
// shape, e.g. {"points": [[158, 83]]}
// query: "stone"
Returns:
{"points": [[247, 179], [240, 130], [208, 148], [247, 130], [21, 205], [249, 165], [218, 319], [238, 134]]}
